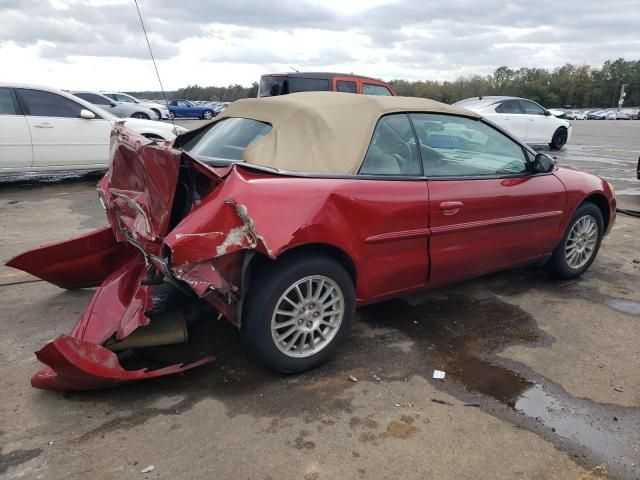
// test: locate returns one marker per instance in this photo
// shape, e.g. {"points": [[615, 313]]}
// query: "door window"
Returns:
{"points": [[393, 149], [48, 104], [124, 98], [460, 147], [371, 89], [94, 98], [509, 107], [6, 102], [346, 86], [531, 108]]}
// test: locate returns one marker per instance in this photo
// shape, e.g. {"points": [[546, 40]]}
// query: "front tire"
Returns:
{"points": [[580, 243], [297, 312], [140, 115], [207, 115], [559, 139]]}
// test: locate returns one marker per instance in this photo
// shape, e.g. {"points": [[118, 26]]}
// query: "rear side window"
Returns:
{"points": [[393, 150], [227, 138], [509, 106], [371, 89], [274, 85], [297, 84], [6, 102], [47, 104], [346, 86]]}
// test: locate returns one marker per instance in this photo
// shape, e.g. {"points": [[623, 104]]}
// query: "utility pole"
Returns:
{"points": [[622, 95]]}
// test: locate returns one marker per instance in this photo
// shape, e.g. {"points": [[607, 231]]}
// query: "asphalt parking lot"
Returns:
{"points": [[542, 376]]}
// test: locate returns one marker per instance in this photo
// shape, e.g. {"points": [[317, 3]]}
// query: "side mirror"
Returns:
{"points": [[87, 114], [543, 163], [547, 113]]}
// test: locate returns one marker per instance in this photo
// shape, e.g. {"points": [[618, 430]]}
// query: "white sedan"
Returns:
{"points": [[523, 118], [43, 129]]}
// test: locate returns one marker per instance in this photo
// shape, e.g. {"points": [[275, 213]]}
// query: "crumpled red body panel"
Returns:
{"points": [[74, 364], [84, 261], [78, 361]]}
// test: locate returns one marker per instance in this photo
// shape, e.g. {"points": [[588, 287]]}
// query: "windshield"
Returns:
{"points": [[227, 138]]}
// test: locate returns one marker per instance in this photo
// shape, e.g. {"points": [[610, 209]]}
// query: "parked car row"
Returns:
{"points": [[604, 114], [44, 129]]}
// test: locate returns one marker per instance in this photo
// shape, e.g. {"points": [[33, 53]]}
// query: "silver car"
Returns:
{"points": [[161, 110], [119, 109]]}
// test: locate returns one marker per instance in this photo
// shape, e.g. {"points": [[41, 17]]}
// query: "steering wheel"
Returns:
{"points": [[403, 155]]}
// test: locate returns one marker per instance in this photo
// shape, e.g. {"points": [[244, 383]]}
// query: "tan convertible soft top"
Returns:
{"points": [[322, 132]]}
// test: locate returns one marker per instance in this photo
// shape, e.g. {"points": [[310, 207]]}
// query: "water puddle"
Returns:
{"points": [[625, 306], [628, 191], [463, 336]]}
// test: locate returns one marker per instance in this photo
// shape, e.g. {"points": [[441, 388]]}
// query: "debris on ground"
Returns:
{"points": [[441, 402], [439, 374], [619, 389], [353, 379], [50, 443], [396, 405], [376, 378], [471, 404], [148, 469]]}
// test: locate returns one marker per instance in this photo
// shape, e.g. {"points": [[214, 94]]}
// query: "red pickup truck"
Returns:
{"points": [[274, 84]]}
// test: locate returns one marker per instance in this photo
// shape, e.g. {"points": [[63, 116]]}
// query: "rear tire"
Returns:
{"points": [[172, 115], [580, 243], [316, 298], [207, 115], [140, 115], [559, 139]]}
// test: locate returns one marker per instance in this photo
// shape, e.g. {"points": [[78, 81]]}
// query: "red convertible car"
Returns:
{"points": [[286, 213]]}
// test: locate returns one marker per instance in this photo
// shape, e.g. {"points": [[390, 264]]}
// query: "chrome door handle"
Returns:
{"points": [[451, 208], [44, 125]]}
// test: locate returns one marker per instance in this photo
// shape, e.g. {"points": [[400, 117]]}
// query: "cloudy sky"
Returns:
{"points": [[98, 44]]}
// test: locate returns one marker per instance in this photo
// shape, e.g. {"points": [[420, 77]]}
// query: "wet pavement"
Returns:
{"points": [[541, 375]]}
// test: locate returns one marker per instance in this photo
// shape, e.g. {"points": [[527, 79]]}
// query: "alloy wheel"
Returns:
{"points": [[307, 316], [581, 242]]}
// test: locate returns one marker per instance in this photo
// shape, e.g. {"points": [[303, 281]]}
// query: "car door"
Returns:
{"points": [[510, 116], [488, 210], [391, 207], [540, 126], [15, 138], [59, 135]]}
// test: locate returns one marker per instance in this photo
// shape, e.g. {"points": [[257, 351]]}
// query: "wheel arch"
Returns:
{"points": [[259, 259], [600, 201], [256, 261]]}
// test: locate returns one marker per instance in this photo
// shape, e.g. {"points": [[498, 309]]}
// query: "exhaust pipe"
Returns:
{"points": [[167, 328]]}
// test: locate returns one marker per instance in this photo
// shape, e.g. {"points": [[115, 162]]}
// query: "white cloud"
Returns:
{"points": [[98, 44]]}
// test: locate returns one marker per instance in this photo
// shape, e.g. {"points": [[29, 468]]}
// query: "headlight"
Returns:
{"points": [[613, 190]]}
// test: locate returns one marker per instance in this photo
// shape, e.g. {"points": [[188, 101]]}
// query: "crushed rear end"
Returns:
{"points": [[163, 273]]}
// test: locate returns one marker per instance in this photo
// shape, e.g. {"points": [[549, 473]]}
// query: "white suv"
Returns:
{"points": [[523, 118], [44, 129]]}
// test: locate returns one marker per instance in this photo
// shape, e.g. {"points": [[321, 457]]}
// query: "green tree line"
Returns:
{"points": [[566, 86]]}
